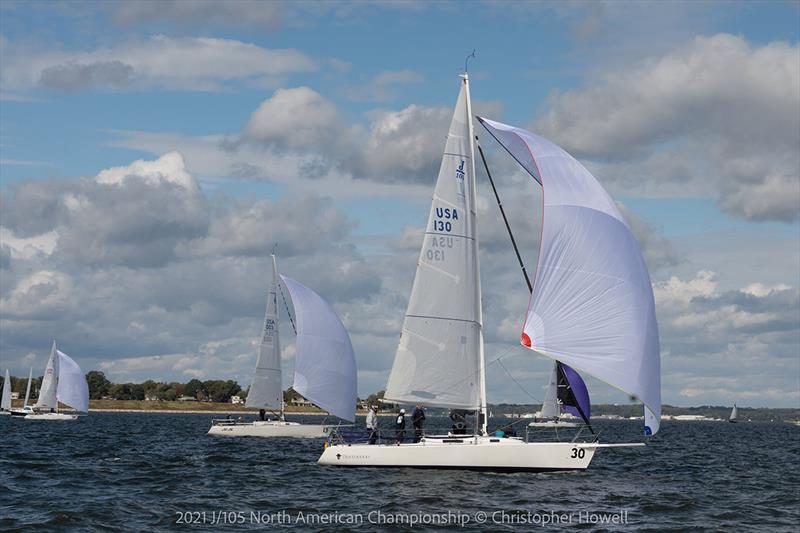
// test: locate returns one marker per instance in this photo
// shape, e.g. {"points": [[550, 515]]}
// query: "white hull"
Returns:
{"points": [[270, 429], [468, 453], [5, 413], [553, 424], [50, 416]]}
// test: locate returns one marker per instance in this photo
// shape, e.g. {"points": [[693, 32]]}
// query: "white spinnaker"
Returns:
{"points": [[325, 365], [47, 391], [592, 305], [550, 404], [266, 389], [5, 402], [72, 388], [438, 358]]}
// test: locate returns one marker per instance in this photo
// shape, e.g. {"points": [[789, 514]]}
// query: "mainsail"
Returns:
{"points": [[734, 414], [266, 390], [28, 388], [550, 407], [47, 391], [439, 360], [72, 388], [5, 402], [592, 306], [325, 365]]}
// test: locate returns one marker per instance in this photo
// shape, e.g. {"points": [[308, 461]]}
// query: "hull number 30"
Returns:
{"points": [[578, 453]]}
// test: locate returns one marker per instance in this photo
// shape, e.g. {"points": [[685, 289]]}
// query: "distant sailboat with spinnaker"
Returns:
{"points": [[566, 395], [324, 373], [63, 382]]}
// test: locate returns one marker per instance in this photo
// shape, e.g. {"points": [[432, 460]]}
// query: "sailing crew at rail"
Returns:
{"points": [[417, 420], [372, 424], [400, 426]]}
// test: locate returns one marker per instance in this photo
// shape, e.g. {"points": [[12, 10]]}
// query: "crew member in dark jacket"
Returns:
{"points": [[417, 420], [400, 426]]}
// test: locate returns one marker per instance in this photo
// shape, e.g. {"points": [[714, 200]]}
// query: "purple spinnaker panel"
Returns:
{"points": [[579, 390]]}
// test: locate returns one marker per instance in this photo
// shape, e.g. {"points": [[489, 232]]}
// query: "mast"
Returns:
{"points": [[479, 308], [55, 374], [277, 323]]}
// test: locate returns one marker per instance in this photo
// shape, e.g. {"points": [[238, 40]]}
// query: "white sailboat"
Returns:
{"points": [[63, 382], [734, 414], [325, 368], [440, 357], [26, 409], [552, 414], [5, 400]]}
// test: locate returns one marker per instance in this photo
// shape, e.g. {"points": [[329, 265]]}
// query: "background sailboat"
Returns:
{"points": [[734, 414], [566, 394], [26, 408], [63, 382], [325, 368], [5, 399]]}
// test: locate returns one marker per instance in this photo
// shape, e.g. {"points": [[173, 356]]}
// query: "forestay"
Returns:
{"points": [[47, 392], [72, 388], [592, 305], [266, 390], [325, 365], [438, 360]]}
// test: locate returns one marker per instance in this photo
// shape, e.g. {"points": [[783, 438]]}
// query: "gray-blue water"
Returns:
{"points": [[160, 472]]}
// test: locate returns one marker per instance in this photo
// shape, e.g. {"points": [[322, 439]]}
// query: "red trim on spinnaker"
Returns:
{"points": [[525, 340]]}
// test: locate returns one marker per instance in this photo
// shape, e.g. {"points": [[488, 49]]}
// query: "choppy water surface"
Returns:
{"points": [[143, 472]]}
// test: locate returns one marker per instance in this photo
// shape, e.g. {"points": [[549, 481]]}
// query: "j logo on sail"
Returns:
{"points": [[460, 179]]}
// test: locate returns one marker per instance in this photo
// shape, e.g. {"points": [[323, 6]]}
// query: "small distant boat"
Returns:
{"points": [[63, 382], [325, 368], [566, 393], [5, 400], [734, 414]]}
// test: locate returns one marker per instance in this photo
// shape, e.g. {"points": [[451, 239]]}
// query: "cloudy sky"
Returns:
{"points": [[152, 153]]}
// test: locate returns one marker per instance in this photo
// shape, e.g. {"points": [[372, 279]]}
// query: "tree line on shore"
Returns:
{"points": [[100, 388], [212, 390]]}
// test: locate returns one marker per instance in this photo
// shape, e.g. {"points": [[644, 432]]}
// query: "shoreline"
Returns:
{"points": [[215, 412], [198, 412]]}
